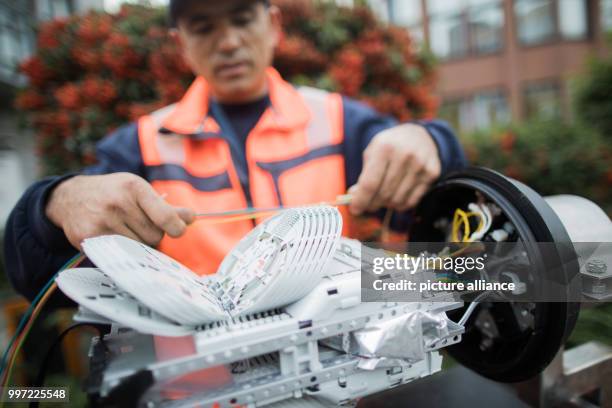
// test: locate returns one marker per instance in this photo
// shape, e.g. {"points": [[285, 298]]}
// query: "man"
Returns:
{"points": [[241, 136]]}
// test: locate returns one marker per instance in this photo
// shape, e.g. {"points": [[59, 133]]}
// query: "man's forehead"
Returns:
{"points": [[200, 8]]}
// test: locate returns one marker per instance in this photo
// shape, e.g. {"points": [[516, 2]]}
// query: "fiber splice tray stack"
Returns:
{"points": [[281, 320]]}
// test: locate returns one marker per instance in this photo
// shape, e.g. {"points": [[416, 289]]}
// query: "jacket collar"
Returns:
{"points": [[191, 116]]}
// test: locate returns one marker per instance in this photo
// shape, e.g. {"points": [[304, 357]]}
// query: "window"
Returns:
{"points": [[447, 37], [449, 111], [61, 8], [408, 14], [380, 9], [49, 9], [540, 21], [486, 29], [542, 100], [535, 20], [606, 15], [480, 111], [573, 19], [16, 39], [460, 28]]}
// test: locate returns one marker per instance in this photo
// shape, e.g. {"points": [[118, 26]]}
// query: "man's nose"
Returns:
{"points": [[229, 39]]}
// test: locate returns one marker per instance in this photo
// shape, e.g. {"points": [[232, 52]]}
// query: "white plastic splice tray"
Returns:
{"points": [[277, 263]]}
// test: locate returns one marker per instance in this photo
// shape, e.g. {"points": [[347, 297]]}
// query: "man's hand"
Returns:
{"points": [[120, 203], [399, 165]]}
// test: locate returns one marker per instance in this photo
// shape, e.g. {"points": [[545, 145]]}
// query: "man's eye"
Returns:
{"points": [[242, 20], [202, 28]]}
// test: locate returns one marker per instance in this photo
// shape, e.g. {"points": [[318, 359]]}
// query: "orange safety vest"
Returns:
{"points": [[294, 156]]}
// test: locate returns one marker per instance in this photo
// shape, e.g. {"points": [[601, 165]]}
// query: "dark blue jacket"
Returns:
{"points": [[35, 248]]}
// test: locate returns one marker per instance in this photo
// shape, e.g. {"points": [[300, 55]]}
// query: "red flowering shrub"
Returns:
{"points": [[94, 72], [550, 157], [348, 50]]}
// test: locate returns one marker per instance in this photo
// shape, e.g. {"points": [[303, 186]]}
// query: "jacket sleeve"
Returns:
{"points": [[362, 123], [34, 248]]}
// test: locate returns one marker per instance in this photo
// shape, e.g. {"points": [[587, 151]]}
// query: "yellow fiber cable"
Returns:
{"points": [[234, 218], [460, 215], [251, 213], [481, 220]]}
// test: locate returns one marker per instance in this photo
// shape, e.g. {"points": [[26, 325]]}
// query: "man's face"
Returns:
{"points": [[230, 43]]}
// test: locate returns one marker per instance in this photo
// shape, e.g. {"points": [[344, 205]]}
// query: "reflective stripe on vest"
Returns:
{"points": [[287, 166], [324, 135]]}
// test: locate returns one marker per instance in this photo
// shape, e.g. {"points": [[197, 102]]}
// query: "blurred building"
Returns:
{"points": [[17, 41], [503, 60]]}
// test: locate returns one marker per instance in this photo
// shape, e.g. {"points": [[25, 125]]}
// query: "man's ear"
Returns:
{"points": [[276, 21], [176, 37]]}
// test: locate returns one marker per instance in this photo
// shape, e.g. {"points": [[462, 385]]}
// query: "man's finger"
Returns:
{"points": [[399, 201], [186, 214], [416, 195], [160, 212], [141, 225], [422, 182], [75, 241], [117, 225], [123, 229], [396, 172], [369, 182]]}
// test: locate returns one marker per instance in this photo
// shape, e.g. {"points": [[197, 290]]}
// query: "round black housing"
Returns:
{"points": [[513, 352]]}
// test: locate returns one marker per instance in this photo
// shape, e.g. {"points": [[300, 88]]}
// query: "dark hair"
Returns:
{"points": [[177, 8]]}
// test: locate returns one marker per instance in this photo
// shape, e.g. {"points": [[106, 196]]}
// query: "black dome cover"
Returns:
{"points": [[520, 355]]}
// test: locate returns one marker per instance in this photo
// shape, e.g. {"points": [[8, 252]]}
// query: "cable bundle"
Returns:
{"points": [[27, 321]]}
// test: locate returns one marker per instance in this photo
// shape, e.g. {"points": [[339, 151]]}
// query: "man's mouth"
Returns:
{"points": [[232, 70]]}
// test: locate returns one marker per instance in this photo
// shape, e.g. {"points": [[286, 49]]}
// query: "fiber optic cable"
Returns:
{"points": [[29, 317]]}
